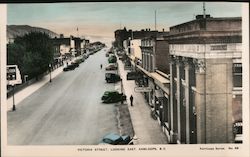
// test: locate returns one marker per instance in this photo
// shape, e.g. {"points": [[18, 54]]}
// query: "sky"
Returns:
{"points": [[99, 20]]}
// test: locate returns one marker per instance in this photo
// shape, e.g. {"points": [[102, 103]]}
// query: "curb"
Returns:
{"points": [[125, 102]]}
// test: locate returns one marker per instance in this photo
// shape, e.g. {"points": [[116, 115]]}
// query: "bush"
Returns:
{"points": [[32, 53]]}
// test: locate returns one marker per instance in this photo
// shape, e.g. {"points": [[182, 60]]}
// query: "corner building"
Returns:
{"points": [[205, 80]]}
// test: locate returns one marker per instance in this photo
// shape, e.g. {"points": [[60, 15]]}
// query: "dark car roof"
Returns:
{"points": [[111, 74], [114, 91], [112, 138]]}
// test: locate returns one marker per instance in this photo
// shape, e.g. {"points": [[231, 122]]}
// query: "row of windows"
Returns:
{"points": [[147, 43]]}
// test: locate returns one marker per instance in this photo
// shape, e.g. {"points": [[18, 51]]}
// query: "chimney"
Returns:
{"points": [[162, 29], [61, 36], [149, 29]]}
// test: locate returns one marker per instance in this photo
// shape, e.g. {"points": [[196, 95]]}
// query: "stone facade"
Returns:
{"points": [[203, 53]]}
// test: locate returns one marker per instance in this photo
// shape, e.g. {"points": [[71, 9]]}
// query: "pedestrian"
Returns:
{"points": [[101, 66], [122, 98], [131, 100]]}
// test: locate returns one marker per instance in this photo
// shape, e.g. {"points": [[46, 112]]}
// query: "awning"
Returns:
{"points": [[144, 71], [159, 78]]}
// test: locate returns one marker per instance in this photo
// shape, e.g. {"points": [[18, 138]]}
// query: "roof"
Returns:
{"points": [[112, 136]]}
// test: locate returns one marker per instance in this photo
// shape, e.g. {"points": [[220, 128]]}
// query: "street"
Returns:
{"points": [[67, 111]]}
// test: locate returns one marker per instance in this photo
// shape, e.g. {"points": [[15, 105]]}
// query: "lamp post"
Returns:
{"points": [[50, 73], [14, 106]]}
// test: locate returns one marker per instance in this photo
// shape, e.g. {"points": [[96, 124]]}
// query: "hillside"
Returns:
{"points": [[20, 30]]}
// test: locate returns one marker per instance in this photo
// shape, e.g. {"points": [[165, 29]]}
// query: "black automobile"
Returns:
{"points": [[76, 64], [113, 97], [112, 59], [115, 139], [69, 67], [112, 77]]}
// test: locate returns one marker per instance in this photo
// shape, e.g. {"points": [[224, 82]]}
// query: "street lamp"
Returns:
{"points": [[14, 106], [50, 73]]}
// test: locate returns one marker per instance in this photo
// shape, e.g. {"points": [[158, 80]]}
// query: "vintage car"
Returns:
{"points": [[70, 67], [112, 59], [115, 139], [112, 78], [113, 97], [111, 67]]}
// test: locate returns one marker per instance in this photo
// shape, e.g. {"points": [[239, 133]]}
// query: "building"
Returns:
{"points": [[155, 54], [155, 72], [135, 51], [205, 80], [69, 46], [120, 36], [149, 58]]}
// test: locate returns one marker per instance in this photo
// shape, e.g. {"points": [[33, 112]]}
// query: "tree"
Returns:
{"points": [[32, 53]]}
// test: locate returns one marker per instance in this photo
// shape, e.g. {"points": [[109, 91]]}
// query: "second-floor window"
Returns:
{"points": [[237, 75]]}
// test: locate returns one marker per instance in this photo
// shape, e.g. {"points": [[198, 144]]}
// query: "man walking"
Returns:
{"points": [[131, 100]]}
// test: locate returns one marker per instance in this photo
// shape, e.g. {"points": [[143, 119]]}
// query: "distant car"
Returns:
{"points": [[76, 64], [80, 60], [112, 78], [69, 67], [112, 59], [115, 139], [111, 67], [113, 97]]}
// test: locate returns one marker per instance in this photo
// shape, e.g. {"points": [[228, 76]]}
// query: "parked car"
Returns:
{"points": [[111, 67], [69, 67], [112, 59], [80, 60], [112, 78], [115, 139], [75, 64], [113, 97]]}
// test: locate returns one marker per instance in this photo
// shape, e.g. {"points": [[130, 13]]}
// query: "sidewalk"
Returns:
{"points": [[147, 130], [22, 94]]}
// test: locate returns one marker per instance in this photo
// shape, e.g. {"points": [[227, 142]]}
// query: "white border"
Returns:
{"points": [[171, 150], [3, 21]]}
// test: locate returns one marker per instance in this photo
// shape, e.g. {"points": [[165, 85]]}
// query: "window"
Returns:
{"points": [[237, 75]]}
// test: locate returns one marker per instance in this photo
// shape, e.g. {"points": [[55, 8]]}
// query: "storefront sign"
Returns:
{"points": [[13, 75], [142, 89], [218, 47]]}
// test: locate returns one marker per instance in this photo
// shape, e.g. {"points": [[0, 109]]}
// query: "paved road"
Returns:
{"points": [[67, 111]]}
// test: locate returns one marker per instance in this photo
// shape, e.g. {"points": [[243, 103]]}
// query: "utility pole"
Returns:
{"points": [[155, 19], [14, 105], [77, 32], [204, 10]]}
